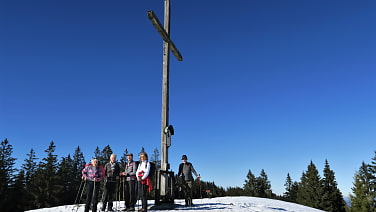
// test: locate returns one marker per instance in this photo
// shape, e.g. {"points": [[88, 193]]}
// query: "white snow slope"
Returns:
{"points": [[220, 204]]}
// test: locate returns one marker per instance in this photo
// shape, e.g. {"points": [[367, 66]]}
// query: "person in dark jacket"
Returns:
{"points": [[92, 174], [185, 170], [130, 183], [112, 173]]}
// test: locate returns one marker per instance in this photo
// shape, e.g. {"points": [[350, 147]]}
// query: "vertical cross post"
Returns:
{"points": [[165, 190]]}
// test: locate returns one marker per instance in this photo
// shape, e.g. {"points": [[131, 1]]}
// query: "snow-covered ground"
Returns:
{"points": [[222, 204]]}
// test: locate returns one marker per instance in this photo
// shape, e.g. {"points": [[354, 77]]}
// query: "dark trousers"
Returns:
{"points": [[188, 192], [130, 193], [92, 189], [108, 195], [142, 191]]}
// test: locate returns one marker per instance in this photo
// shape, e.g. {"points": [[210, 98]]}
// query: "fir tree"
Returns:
{"points": [[7, 171], [98, 156], [310, 189], [155, 159], [78, 164], [67, 174], [30, 166], [124, 159], [250, 184], [19, 196], [332, 199], [106, 154], [234, 191], [362, 198], [142, 150], [291, 189], [45, 185], [372, 169], [263, 187]]}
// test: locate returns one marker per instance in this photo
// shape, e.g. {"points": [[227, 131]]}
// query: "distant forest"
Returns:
{"points": [[53, 181]]}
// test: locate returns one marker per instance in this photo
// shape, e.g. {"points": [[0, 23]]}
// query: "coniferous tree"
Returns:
{"points": [[291, 189], [7, 171], [98, 156], [142, 150], [78, 165], [372, 169], [310, 189], [250, 184], [124, 159], [46, 189], [332, 199], [361, 200], [18, 195], [106, 154], [234, 191], [30, 166], [263, 187], [66, 173], [155, 158]]}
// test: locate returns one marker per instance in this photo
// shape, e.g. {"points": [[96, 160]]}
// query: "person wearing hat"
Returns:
{"points": [[130, 183], [186, 169]]}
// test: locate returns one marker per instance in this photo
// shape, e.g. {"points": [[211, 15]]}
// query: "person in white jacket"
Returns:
{"points": [[144, 182]]}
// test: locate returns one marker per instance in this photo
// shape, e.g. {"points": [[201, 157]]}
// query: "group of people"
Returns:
{"points": [[137, 181]]}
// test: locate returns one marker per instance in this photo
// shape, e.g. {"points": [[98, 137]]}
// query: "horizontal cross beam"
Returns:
{"points": [[158, 26]]}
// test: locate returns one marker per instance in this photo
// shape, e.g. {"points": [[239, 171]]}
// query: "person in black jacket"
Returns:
{"points": [[186, 169], [112, 172]]}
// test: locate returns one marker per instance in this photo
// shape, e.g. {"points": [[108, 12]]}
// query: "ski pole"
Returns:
{"points": [[93, 195], [82, 192], [78, 192], [104, 192]]}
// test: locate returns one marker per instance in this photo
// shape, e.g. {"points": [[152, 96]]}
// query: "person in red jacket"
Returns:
{"points": [[92, 174]]}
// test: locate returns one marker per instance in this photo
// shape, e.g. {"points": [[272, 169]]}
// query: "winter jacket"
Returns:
{"points": [[186, 169], [111, 170], [143, 170], [90, 172], [130, 170]]}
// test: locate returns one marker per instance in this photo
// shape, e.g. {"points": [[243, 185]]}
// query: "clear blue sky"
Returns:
{"points": [[264, 84]]}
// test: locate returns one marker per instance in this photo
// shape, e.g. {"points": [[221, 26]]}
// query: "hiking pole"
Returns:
{"points": [[199, 183], [92, 197], [82, 191], [124, 179], [104, 191], [78, 192]]}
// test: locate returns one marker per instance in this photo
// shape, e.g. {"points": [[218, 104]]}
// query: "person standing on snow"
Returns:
{"points": [[130, 183], [186, 169], [112, 172], [92, 174], [144, 181]]}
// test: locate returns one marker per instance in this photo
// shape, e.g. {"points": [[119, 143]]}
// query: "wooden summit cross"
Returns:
{"points": [[165, 179]]}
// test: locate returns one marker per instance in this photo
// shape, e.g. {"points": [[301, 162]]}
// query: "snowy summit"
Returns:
{"points": [[222, 204]]}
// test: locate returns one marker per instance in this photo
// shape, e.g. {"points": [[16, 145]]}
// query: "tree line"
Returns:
{"points": [[52, 181], [315, 191]]}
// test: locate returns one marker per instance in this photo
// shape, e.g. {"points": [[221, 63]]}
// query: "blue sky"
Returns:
{"points": [[264, 84]]}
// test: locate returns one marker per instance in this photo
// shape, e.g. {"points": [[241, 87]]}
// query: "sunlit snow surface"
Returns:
{"points": [[223, 204]]}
